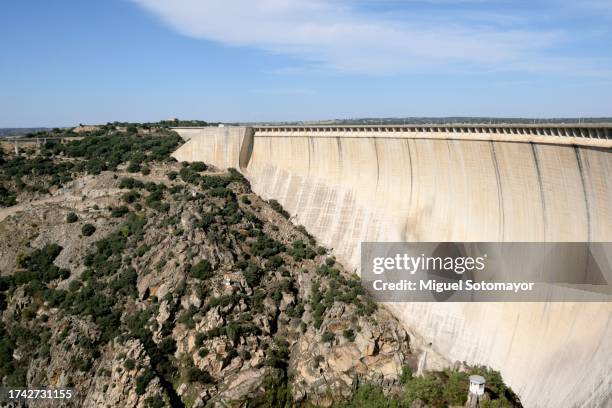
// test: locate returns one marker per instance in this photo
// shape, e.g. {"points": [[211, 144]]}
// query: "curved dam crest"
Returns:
{"points": [[491, 183]]}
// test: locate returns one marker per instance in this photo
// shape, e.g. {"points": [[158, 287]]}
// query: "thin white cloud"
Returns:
{"points": [[333, 36]]}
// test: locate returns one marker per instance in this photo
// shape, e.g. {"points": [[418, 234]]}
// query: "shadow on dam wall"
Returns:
{"points": [[349, 187]]}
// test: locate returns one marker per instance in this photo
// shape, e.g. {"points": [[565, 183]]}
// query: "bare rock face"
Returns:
{"points": [[188, 220], [241, 385], [287, 300], [365, 342], [116, 384], [376, 354]]}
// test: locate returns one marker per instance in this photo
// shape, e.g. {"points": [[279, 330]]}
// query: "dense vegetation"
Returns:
{"points": [[439, 389], [107, 280], [56, 164]]}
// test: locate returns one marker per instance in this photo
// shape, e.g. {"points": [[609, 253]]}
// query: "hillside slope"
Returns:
{"points": [[144, 282]]}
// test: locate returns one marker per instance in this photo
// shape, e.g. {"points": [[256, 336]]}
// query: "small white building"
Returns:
{"points": [[477, 385]]}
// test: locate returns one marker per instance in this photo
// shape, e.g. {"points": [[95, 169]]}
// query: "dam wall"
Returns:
{"points": [[452, 183]]}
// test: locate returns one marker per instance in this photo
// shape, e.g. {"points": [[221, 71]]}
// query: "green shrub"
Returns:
{"points": [[266, 247], [71, 218], [406, 375], [119, 212], [129, 364], [349, 334], [196, 375], [370, 396], [155, 402], [39, 267], [130, 183], [143, 381], [222, 192], [198, 167], [131, 196], [277, 393], [367, 308], [186, 318], [456, 389], [189, 176], [82, 364], [202, 270], [328, 337], [278, 356], [88, 230], [300, 251], [428, 389], [7, 197], [133, 168], [275, 262], [236, 176], [74, 285], [253, 274], [276, 206], [167, 346], [295, 311], [209, 182]]}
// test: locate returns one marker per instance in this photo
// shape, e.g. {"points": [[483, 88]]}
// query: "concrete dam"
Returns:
{"points": [[439, 183]]}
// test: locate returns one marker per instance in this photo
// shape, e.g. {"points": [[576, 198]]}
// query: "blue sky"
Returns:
{"points": [[64, 62]]}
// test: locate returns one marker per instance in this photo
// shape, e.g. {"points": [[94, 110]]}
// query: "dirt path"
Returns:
{"points": [[5, 212]]}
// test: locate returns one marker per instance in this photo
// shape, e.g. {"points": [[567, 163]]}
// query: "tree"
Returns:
{"points": [[88, 230], [71, 217], [198, 166], [131, 196]]}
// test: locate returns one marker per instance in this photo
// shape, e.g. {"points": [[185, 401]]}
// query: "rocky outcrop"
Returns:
{"points": [[216, 299]]}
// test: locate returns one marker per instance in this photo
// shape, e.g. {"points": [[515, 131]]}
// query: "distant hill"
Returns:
{"points": [[4, 132]]}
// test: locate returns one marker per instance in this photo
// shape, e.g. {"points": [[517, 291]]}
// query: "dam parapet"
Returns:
{"points": [[451, 183], [591, 134]]}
